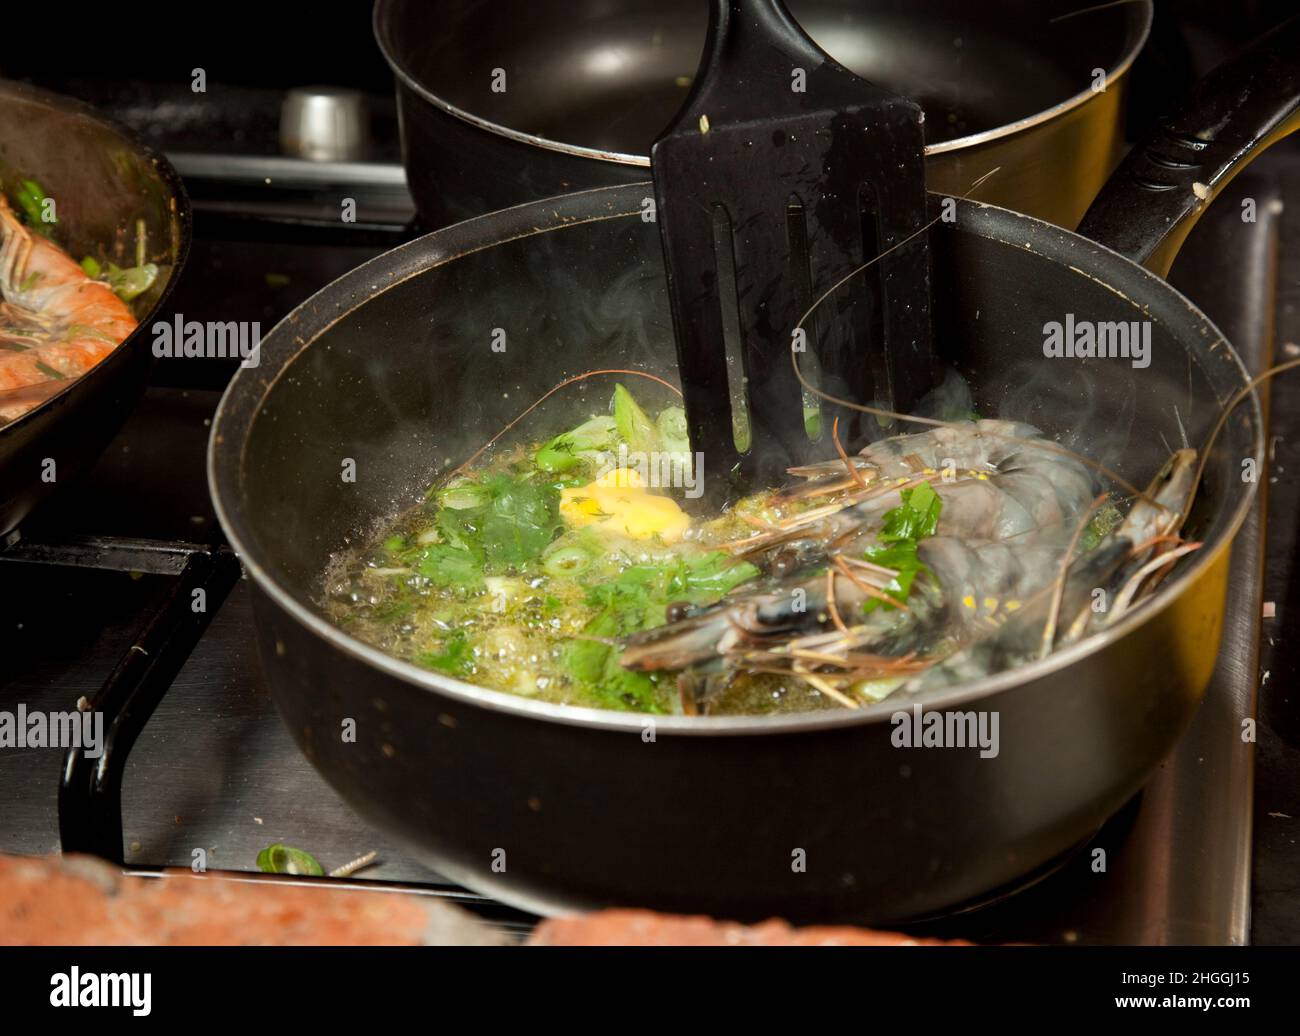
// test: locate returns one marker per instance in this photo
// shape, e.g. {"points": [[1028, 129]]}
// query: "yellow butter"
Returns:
{"points": [[618, 501]]}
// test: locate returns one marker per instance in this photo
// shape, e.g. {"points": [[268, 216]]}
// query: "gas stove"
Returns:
{"points": [[100, 587]]}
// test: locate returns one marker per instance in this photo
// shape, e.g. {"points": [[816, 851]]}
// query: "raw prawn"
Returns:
{"points": [[970, 588], [1124, 565], [55, 321], [1003, 539], [998, 481]]}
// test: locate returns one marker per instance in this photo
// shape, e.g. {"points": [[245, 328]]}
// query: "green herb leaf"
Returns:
{"points": [[284, 859], [456, 657], [1099, 526], [519, 523], [637, 599], [902, 558], [596, 665], [916, 517], [715, 573], [489, 527], [449, 565]]}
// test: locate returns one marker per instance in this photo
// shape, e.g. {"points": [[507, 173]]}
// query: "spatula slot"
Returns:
{"points": [[725, 262], [873, 294], [796, 221]]}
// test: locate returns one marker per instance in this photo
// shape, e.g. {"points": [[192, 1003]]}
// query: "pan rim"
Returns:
{"points": [[184, 216], [226, 468], [1146, 12]]}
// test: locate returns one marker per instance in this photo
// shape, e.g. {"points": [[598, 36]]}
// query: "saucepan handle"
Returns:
{"points": [[1150, 204]]}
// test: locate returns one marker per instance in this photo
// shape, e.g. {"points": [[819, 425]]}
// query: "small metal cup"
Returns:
{"points": [[324, 124]]}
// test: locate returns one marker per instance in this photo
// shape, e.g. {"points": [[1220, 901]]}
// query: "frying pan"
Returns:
{"points": [[588, 86], [390, 372], [103, 180]]}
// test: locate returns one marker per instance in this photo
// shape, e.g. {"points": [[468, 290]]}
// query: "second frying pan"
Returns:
{"points": [[502, 104], [105, 183]]}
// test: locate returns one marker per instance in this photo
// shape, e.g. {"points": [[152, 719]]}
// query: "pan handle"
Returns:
{"points": [[1150, 204]]}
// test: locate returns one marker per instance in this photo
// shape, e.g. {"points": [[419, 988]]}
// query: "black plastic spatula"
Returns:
{"points": [[782, 173]]}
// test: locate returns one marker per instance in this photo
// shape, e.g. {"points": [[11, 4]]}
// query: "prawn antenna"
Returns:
{"points": [[894, 415], [1228, 408]]}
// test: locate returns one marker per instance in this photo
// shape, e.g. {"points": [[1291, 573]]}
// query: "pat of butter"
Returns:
{"points": [[619, 502], [620, 478]]}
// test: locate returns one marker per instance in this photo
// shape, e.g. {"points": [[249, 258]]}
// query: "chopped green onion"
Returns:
{"points": [[562, 452], [86, 331], [284, 859], [636, 429], [812, 422], [464, 495], [673, 433], [567, 561], [130, 283], [31, 198]]}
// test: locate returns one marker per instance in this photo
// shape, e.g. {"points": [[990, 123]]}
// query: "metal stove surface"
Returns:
{"points": [[215, 770]]}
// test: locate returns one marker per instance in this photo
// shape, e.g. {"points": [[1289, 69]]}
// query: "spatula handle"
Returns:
{"points": [[743, 34], [748, 43]]}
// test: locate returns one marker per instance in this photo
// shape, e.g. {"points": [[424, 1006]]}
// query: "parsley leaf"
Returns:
{"points": [[513, 522], [637, 599], [916, 517], [455, 658], [450, 565], [519, 523]]}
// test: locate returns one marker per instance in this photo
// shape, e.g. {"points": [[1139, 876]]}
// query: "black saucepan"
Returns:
{"points": [[390, 371], [104, 182], [505, 103]]}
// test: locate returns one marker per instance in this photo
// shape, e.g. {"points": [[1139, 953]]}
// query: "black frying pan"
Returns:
{"points": [[103, 179], [814, 816]]}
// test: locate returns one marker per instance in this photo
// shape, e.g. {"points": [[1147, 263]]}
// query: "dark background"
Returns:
{"points": [[283, 44]]}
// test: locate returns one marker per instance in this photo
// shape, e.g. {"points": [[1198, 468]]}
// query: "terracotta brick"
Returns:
{"points": [[645, 928], [80, 900]]}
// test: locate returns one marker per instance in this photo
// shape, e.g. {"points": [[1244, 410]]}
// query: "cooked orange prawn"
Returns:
{"points": [[55, 321]]}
